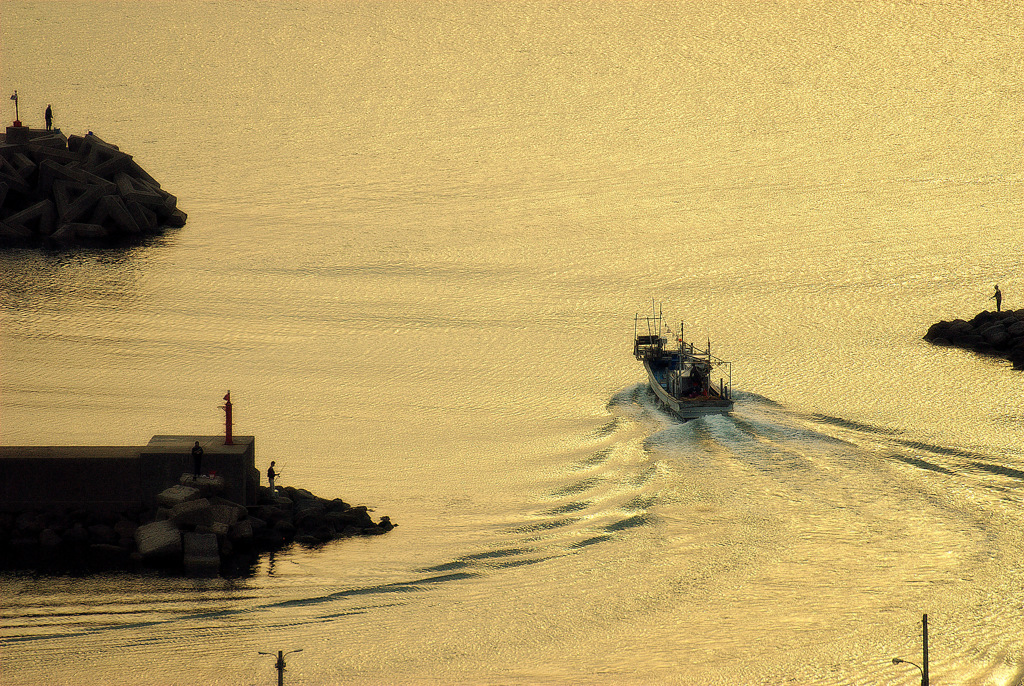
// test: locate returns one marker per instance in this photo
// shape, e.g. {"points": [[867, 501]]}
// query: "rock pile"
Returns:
{"points": [[990, 333], [56, 190], [192, 531]]}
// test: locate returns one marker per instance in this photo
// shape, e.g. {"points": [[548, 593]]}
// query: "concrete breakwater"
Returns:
{"points": [[57, 190], [990, 333], [192, 530], [76, 509]]}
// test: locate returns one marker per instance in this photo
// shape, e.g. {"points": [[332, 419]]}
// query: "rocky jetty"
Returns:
{"points": [[58, 191], [990, 333], [193, 531]]}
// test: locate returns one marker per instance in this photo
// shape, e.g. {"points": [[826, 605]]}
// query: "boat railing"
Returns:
{"points": [[653, 344]]}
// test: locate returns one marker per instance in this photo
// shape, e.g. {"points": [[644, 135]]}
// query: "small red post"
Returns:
{"points": [[227, 420]]}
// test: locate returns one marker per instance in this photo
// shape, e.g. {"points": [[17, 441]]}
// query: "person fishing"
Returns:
{"points": [[998, 297], [271, 475]]}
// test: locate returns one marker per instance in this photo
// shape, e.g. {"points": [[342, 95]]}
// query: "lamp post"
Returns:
{"points": [[923, 670], [280, 663], [898, 661]]}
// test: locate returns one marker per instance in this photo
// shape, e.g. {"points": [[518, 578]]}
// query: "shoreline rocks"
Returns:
{"points": [[193, 531], [999, 334], [79, 190]]}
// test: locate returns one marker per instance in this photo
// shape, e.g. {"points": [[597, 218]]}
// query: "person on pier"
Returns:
{"points": [[197, 460]]}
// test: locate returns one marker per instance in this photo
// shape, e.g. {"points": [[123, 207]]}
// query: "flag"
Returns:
{"points": [[15, 96]]}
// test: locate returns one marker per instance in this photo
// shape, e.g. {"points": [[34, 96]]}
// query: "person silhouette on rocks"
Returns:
{"points": [[49, 118], [197, 459], [271, 475], [998, 297]]}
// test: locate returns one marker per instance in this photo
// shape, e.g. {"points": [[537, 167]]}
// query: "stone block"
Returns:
{"points": [[226, 511], [75, 143], [54, 140], [997, 337], [138, 191], [6, 149], [144, 217], [177, 494], [13, 234], [167, 207], [202, 554], [133, 191], [84, 145], [88, 232], [209, 486], [50, 171], [241, 532], [75, 200], [176, 219], [61, 156], [9, 175], [111, 209], [193, 513], [104, 161], [39, 218], [23, 165], [158, 541], [139, 173], [64, 234]]}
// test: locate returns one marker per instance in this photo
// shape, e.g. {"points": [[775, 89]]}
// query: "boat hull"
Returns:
{"points": [[686, 408]]}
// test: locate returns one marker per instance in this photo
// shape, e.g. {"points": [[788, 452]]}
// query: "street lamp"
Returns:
{"points": [[898, 661], [280, 663], [923, 670]]}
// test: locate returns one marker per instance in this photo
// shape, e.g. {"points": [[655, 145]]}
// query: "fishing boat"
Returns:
{"points": [[681, 375]]}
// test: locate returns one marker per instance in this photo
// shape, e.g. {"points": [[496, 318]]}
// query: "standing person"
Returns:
{"points": [[49, 118], [998, 297], [271, 475], [197, 459]]}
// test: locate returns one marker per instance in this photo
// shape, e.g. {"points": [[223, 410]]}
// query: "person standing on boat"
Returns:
{"points": [[271, 475], [998, 297]]}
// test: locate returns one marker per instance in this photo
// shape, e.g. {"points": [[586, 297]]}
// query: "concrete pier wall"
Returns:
{"points": [[69, 476], [166, 458], [112, 477]]}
